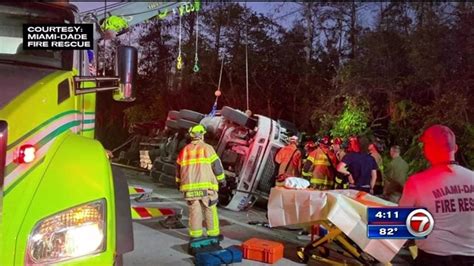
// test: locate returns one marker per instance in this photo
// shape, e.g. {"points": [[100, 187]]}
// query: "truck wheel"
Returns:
{"points": [[169, 169], [235, 116], [186, 124], [167, 179], [172, 124], [173, 115], [158, 165], [190, 115]]}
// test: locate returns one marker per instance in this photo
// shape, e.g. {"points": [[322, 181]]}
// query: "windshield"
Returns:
{"points": [[12, 18]]}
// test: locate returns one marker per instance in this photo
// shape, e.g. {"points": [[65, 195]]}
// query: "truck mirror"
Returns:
{"points": [[126, 68]]}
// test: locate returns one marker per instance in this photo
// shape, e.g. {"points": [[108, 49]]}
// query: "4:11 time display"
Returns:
{"points": [[387, 215]]}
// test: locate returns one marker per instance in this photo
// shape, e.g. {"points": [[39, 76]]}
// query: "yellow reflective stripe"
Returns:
{"points": [[310, 158], [213, 158], [220, 177], [318, 181], [178, 179], [199, 186], [195, 161], [321, 162], [195, 233], [307, 173], [215, 223]]}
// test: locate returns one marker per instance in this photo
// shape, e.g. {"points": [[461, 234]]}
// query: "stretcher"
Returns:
{"points": [[343, 213]]}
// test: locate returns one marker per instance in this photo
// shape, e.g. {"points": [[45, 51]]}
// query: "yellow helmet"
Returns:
{"points": [[197, 131]]}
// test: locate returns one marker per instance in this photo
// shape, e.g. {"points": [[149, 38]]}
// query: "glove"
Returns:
{"points": [[223, 183]]}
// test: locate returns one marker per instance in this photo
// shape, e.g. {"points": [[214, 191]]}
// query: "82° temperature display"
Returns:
{"points": [[405, 223]]}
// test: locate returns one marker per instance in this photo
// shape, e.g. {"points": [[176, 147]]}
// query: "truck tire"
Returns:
{"points": [[169, 169], [186, 124], [172, 124], [190, 115], [158, 165], [235, 116], [173, 115], [167, 179]]}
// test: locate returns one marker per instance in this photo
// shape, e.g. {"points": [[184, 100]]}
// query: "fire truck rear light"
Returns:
{"points": [[26, 154]]}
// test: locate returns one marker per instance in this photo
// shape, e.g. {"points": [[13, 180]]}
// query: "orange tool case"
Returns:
{"points": [[262, 250]]}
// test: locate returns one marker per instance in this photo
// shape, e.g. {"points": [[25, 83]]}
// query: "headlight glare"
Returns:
{"points": [[69, 234]]}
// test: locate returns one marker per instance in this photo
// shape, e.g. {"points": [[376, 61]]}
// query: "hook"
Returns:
{"points": [[179, 64], [181, 10], [162, 15], [196, 67], [188, 9]]}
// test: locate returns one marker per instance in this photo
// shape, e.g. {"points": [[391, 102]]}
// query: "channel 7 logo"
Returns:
{"points": [[420, 223]]}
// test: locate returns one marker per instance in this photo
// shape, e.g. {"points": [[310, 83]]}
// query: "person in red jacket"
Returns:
{"points": [[289, 158]]}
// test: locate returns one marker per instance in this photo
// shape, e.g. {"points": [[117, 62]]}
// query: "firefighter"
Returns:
{"points": [[320, 166], [289, 158], [198, 172], [309, 147], [374, 151]]}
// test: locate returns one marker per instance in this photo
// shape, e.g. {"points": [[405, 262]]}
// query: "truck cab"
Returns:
{"points": [[246, 145], [62, 201]]}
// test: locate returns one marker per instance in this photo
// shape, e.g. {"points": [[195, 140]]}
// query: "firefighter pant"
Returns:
{"points": [[208, 205], [322, 183]]}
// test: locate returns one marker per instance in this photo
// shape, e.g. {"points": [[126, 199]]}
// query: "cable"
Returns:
{"points": [[246, 62], [105, 40], [179, 63], [246, 66], [196, 59], [291, 13]]}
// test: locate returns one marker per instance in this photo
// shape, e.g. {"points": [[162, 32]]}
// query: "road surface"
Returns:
{"points": [[157, 245]]}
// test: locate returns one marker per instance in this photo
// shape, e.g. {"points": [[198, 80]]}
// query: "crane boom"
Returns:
{"points": [[136, 12]]}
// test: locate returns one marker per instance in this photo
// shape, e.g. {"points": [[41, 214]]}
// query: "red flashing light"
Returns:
{"points": [[26, 154]]}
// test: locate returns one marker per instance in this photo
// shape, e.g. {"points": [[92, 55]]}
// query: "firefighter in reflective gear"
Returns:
{"points": [[320, 166], [198, 172], [289, 158]]}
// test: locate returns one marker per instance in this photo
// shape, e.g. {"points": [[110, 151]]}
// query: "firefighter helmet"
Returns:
{"points": [[326, 141], [197, 131], [337, 141], [293, 139]]}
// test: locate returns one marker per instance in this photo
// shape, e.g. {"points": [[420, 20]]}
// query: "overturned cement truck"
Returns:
{"points": [[246, 145]]}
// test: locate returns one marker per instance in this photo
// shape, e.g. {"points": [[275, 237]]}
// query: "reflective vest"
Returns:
{"points": [[318, 169], [198, 168], [289, 158]]}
